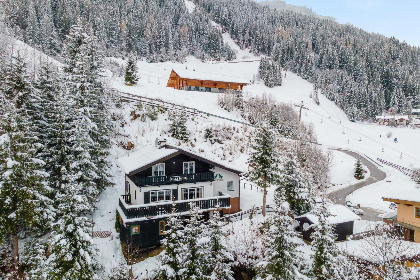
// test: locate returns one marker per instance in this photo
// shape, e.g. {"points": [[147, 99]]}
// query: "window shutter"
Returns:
{"points": [[175, 194], [146, 197]]}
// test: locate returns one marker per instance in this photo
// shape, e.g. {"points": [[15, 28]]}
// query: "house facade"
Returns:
{"points": [[156, 177], [408, 213], [196, 81]]}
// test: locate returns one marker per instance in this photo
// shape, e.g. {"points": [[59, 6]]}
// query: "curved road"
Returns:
{"points": [[376, 175]]}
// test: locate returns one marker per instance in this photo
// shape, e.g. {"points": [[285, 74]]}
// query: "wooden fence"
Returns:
{"points": [[405, 170]]}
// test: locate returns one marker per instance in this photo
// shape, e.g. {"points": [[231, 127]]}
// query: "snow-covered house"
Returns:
{"points": [[384, 120], [193, 80], [397, 120], [340, 217], [157, 176], [408, 213], [401, 120]]}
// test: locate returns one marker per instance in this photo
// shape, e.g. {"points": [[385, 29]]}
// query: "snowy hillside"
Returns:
{"points": [[332, 127]]}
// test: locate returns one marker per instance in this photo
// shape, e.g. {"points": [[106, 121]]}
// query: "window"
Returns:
{"points": [[158, 169], [164, 195], [161, 227], [135, 230], [189, 167], [230, 185], [418, 212], [192, 193]]}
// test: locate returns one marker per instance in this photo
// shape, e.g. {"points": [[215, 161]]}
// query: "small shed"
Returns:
{"points": [[197, 81], [340, 217]]}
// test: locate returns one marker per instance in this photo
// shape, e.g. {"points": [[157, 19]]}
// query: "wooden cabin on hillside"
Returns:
{"points": [[193, 80]]}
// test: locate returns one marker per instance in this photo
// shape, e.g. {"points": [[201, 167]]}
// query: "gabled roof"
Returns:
{"points": [[339, 214], [133, 162], [147, 157], [208, 76], [407, 197]]}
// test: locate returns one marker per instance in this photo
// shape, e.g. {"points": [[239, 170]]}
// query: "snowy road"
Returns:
{"points": [[376, 175]]}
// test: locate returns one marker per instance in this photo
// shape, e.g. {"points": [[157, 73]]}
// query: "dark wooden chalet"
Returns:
{"points": [[341, 218], [192, 80], [155, 177]]}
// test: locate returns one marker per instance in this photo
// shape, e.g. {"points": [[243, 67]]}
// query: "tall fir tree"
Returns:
{"points": [[72, 255], [170, 259], [283, 260], [326, 253], [263, 161], [192, 250], [22, 177], [216, 253], [22, 188]]}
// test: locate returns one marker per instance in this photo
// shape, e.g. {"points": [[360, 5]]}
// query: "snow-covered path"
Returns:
{"points": [[376, 175]]}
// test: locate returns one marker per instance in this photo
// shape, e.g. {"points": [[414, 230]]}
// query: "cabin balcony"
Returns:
{"points": [[164, 208], [173, 179]]}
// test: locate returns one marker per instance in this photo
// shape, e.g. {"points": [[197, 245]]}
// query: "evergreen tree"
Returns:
{"points": [[22, 190], [192, 251], [323, 244], [359, 173], [72, 255], [263, 161], [171, 259], [131, 69], [282, 257], [178, 126], [297, 191], [216, 253]]}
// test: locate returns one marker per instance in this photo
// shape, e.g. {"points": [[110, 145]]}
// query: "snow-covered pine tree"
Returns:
{"points": [[171, 259], [191, 253], [359, 173], [100, 104], [81, 92], [178, 126], [22, 189], [130, 77], [282, 259], [72, 255], [263, 161], [216, 253], [297, 191], [323, 245]]}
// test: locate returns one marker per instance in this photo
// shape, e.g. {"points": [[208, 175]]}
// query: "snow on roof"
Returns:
{"points": [[208, 76], [149, 155], [412, 195], [143, 157], [415, 111], [385, 117], [405, 117], [339, 214]]}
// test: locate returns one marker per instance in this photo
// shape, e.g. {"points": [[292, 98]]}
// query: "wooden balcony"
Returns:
{"points": [[174, 179], [164, 208]]}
